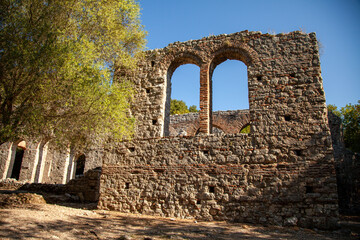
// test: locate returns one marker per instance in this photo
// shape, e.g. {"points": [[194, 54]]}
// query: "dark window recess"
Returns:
{"points": [[287, 118], [198, 201], [152, 63], [154, 121], [17, 163], [148, 90], [211, 189], [127, 185], [131, 149], [80, 166], [259, 78], [309, 189], [298, 152]]}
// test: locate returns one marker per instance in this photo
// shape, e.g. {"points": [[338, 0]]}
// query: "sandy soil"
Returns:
{"points": [[21, 220]]}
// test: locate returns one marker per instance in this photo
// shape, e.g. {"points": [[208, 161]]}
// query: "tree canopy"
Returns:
{"points": [[180, 107], [350, 116], [57, 62], [351, 122]]}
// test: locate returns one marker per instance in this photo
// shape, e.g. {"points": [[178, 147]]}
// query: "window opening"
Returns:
{"points": [[80, 166], [287, 118], [230, 86], [185, 85], [19, 155]]}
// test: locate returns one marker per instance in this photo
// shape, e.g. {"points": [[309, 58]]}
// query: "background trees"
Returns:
{"points": [[180, 107], [350, 116], [57, 61]]}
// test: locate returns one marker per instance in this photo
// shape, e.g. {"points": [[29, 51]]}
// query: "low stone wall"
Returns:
{"points": [[84, 189], [219, 177]]}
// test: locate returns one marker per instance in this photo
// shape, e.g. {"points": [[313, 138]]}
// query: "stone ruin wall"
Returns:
{"points": [[281, 173], [42, 162], [347, 166], [229, 122]]}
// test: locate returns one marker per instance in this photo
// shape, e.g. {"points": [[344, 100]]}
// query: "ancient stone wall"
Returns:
{"points": [[43, 162], [347, 165], [228, 122], [84, 189], [281, 173]]}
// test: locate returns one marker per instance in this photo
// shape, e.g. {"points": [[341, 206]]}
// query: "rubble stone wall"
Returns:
{"points": [[232, 121], [281, 173]]}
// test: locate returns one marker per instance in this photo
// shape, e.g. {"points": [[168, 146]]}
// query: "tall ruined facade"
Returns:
{"points": [[281, 173]]}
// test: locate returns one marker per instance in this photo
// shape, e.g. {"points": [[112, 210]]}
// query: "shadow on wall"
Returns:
{"points": [[224, 178], [347, 165]]}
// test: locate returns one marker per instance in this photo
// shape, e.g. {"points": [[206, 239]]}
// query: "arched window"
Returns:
{"points": [[182, 84], [229, 86], [229, 80], [18, 159], [185, 85], [80, 166]]}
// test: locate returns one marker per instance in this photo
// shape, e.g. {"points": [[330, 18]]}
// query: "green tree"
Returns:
{"points": [[332, 108], [193, 108], [351, 123], [57, 62], [178, 107]]}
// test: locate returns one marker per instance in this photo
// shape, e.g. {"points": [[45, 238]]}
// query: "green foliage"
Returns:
{"points": [[57, 59], [351, 123], [193, 108], [333, 109], [246, 129], [180, 107], [350, 117]]}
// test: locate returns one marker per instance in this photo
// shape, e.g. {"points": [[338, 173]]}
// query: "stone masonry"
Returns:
{"points": [[281, 173], [232, 121]]}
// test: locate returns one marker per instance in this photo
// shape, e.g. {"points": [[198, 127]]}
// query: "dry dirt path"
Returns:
{"points": [[46, 221]]}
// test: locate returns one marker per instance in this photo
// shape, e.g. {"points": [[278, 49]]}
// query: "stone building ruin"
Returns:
{"points": [[281, 173]]}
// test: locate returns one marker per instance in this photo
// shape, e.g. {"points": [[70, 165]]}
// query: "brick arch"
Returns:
{"points": [[178, 59], [173, 62], [242, 53], [231, 122]]}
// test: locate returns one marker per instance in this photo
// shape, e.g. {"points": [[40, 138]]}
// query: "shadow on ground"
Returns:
{"points": [[56, 222]]}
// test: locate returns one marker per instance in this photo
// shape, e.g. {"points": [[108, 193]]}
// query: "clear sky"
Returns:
{"points": [[336, 23]]}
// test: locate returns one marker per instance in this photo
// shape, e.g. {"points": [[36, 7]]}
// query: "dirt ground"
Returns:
{"points": [[27, 216]]}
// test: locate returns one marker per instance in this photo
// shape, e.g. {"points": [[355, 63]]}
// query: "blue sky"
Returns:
{"points": [[336, 23]]}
